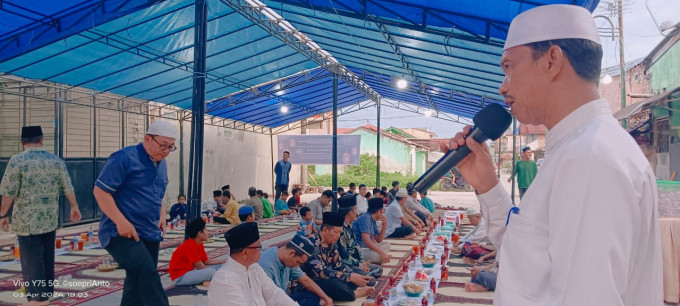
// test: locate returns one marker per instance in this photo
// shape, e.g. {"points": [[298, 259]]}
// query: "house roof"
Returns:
{"points": [[663, 46], [399, 132], [373, 129], [615, 70]]}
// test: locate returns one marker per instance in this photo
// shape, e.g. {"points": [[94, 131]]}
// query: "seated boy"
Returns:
{"points": [[189, 264], [280, 207], [246, 214], [307, 226]]}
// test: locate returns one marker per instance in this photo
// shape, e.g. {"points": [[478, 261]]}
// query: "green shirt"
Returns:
{"points": [[34, 180], [427, 203], [268, 212], [526, 172]]}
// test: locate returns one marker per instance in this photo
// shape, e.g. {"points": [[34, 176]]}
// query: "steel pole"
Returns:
{"points": [[197, 110], [335, 142], [377, 171]]}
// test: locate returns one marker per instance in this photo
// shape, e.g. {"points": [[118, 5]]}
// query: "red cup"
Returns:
{"points": [[80, 245], [58, 243]]}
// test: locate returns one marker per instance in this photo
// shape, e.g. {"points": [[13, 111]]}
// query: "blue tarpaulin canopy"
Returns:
{"points": [[448, 51]]}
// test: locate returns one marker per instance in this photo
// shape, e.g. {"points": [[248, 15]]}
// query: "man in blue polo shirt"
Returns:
{"points": [[369, 237], [130, 192], [282, 170]]}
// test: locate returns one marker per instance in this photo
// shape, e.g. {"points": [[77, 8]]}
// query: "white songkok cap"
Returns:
{"points": [[473, 211], [549, 22], [162, 128]]}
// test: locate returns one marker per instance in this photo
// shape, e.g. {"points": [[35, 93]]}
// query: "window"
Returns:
{"points": [[531, 137], [662, 128]]}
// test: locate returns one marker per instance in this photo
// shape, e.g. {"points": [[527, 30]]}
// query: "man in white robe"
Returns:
{"points": [[587, 230], [477, 234], [241, 280]]}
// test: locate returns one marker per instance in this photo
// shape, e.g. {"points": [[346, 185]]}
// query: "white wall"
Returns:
{"points": [[231, 157]]}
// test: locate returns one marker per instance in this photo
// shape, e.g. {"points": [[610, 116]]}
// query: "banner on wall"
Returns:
{"points": [[318, 149]]}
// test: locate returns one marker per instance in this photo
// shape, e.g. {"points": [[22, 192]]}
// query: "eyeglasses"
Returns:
{"points": [[163, 147]]}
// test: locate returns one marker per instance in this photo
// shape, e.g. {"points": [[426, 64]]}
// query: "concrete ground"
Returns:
{"points": [[447, 198]]}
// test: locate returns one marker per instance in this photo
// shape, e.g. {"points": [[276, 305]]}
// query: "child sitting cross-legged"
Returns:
{"points": [[189, 264], [307, 227]]}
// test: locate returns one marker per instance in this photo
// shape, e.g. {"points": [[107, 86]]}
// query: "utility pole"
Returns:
{"points": [[623, 62]]}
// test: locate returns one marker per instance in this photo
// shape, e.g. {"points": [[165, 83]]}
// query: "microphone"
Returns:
{"points": [[490, 123]]}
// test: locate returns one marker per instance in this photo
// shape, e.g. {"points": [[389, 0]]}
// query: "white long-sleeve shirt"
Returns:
{"points": [[587, 232], [234, 284], [362, 204], [209, 204], [477, 234], [415, 206]]}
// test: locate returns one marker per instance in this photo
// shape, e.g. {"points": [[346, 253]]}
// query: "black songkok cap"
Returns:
{"points": [[347, 201], [375, 204], [333, 219], [31, 131], [242, 235]]}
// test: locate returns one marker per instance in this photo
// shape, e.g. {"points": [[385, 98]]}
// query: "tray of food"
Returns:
{"points": [[428, 261], [409, 302], [107, 267], [413, 289], [8, 257], [423, 275]]}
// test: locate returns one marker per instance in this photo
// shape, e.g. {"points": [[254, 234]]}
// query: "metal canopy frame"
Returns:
{"points": [[262, 15], [398, 19], [450, 62]]}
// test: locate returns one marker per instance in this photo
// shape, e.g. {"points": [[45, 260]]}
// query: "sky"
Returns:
{"points": [[640, 37]]}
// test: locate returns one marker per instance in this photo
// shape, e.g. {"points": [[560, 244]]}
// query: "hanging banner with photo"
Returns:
{"points": [[318, 149]]}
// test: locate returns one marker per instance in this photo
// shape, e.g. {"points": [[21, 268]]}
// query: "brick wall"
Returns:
{"points": [[637, 82]]}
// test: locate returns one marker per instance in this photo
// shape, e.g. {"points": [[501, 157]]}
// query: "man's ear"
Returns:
{"points": [[555, 60]]}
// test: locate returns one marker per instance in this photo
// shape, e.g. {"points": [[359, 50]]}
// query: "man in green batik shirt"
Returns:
{"points": [[267, 210], [526, 170], [32, 183]]}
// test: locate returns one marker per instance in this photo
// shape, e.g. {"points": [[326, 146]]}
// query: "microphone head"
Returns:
{"points": [[493, 120]]}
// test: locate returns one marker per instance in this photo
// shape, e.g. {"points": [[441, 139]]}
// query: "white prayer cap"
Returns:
{"points": [[162, 128], [473, 211], [549, 22]]}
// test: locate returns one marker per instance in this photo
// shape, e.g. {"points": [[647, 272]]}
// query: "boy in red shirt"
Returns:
{"points": [[189, 264]]}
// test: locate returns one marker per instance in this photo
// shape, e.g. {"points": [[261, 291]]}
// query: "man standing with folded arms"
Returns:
{"points": [[130, 192], [587, 232]]}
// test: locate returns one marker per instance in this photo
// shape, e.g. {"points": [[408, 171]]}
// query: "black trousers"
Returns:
{"points": [[421, 216], [338, 290], [37, 264], [221, 220], [139, 259], [279, 189], [401, 232]]}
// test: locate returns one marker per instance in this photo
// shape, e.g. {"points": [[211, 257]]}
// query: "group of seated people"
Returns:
{"points": [[334, 256], [475, 249], [224, 208]]}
